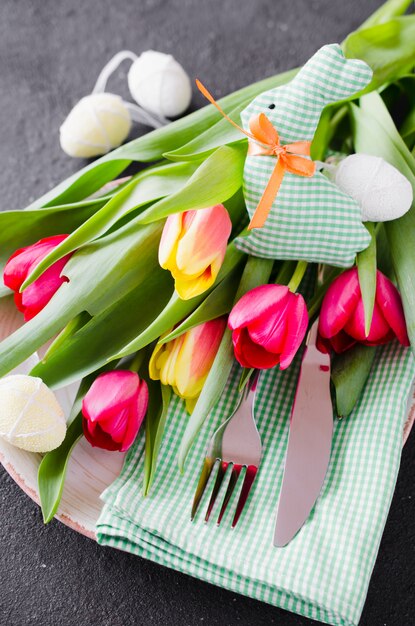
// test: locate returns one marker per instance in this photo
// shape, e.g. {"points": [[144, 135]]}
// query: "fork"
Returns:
{"points": [[236, 444]]}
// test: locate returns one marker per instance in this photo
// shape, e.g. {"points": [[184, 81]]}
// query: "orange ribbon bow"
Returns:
{"points": [[265, 141]]}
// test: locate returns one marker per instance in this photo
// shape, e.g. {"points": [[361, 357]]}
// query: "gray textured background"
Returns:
{"points": [[50, 55]]}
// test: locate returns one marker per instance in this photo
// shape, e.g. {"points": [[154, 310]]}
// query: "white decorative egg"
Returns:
{"points": [[31, 418], [96, 125], [159, 84], [381, 191]]}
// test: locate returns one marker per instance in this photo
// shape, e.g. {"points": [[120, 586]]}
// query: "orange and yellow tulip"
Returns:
{"points": [[193, 246], [184, 362]]}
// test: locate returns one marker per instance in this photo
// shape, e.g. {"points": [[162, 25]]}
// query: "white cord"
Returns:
{"points": [[110, 68], [138, 114], [142, 116]]}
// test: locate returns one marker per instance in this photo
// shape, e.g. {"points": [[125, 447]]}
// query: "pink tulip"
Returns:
{"points": [[268, 325], [193, 246], [35, 297], [342, 318], [114, 409]]}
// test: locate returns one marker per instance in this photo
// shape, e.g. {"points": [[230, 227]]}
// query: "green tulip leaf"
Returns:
{"points": [[387, 47], [99, 339], [375, 133], [388, 10], [216, 180], [159, 399], [366, 268], [350, 371], [52, 470]]}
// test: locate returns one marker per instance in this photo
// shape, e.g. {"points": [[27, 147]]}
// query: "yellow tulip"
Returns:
{"points": [[184, 362], [193, 246]]}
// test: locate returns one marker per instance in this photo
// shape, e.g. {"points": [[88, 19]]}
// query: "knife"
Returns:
{"points": [[309, 442]]}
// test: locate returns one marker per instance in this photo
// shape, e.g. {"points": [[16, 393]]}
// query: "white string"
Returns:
{"points": [[138, 114], [110, 68], [142, 116]]}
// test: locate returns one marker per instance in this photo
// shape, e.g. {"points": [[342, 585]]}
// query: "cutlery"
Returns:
{"points": [[309, 442], [235, 448]]}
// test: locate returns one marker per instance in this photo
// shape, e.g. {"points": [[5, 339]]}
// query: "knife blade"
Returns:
{"points": [[309, 443]]}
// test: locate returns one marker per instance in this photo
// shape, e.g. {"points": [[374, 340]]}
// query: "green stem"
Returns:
{"points": [[316, 300], [298, 275], [137, 361], [285, 272]]}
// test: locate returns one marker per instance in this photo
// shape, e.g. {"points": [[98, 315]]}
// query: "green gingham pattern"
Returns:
{"points": [[325, 571], [311, 219]]}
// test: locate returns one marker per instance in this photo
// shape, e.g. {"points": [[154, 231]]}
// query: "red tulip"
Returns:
{"points": [[114, 409], [342, 318], [268, 325], [35, 297]]}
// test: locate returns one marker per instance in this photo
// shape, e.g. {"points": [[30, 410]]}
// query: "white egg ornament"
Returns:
{"points": [[159, 84], [31, 418], [381, 191], [97, 124]]}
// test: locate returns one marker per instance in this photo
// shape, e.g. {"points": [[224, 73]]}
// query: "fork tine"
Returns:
{"points": [[251, 471], [236, 470], [218, 482], [208, 464]]}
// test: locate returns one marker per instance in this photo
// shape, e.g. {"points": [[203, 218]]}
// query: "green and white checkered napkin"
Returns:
{"points": [[325, 571], [311, 219]]}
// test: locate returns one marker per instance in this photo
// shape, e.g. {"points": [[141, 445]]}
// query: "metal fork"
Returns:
{"points": [[235, 444]]}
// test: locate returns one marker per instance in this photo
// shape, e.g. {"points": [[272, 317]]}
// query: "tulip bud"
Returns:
{"points": [[193, 246], [31, 418], [268, 325], [342, 317], [184, 362], [35, 297], [114, 409]]}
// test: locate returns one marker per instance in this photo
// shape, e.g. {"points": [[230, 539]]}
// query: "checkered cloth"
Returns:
{"points": [[325, 571], [311, 219]]}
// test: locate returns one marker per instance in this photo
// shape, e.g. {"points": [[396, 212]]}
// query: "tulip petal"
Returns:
{"points": [[206, 237], [196, 356], [260, 301], [136, 418], [21, 263], [190, 287], [355, 326], [269, 330], [115, 424], [390, 303], [249, 354], [342, 342], [169, 241], [39, 293], [109, 393], [98, 438], [297, 322], [339, 303]]}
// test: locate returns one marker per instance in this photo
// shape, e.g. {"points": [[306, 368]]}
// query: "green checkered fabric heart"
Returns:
{"points": [[311, 219], [325, 571]]}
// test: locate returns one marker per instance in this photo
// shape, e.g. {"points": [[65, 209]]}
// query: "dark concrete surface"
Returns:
{"points": [[50, 55]]}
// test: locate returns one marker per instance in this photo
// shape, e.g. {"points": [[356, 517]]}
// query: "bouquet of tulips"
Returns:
{"points": [[140, 287]]}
